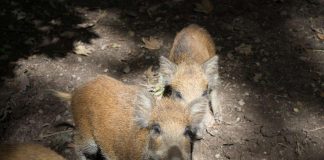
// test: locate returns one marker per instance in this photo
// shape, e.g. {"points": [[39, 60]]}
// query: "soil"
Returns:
{"points": [[271, 67]]}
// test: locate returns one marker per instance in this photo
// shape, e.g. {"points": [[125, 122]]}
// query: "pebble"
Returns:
{"points": [[66, 113], [69, 120], [106, 70], [79, 59], [296, 110], [217, 155], [58, 118], [40, 111], [241, 102]]}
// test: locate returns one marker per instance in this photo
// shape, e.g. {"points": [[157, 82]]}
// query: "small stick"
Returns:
{"points": [[318, 50], [316, 129], [55, 133]]}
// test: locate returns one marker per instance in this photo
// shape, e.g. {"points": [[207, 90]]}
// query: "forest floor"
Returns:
{"points": [[271, 67]]}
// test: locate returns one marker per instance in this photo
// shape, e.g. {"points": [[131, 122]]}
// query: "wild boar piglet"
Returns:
{"points": [[27, 151], [191, 70], [126, 122]]}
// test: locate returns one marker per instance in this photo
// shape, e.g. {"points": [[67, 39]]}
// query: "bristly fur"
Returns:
{"points": [[118, 118], [191, 70], [192, 44], [143, 108], [27, 151]]}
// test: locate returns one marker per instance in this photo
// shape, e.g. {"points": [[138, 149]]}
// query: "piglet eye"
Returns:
{"points": [[205, 93], [156, 129], [178, 94]]}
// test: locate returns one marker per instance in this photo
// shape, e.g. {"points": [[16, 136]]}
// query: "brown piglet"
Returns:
{"points": [[126, 123], [27, 151], [191, 70]]}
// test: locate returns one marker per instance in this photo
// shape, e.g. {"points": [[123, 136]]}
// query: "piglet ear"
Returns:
{"points": [[167, 70], [211, 70], [198, 110], [143, 108]]}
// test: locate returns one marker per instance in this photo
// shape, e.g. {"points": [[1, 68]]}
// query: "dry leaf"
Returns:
{"points": [[241, 102], [205, 6], [152, 43], [320, 36], [115, 45], [81, 49]]}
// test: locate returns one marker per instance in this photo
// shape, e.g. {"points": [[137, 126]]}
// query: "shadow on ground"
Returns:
{"points": [[39, 27], [271, 63]]}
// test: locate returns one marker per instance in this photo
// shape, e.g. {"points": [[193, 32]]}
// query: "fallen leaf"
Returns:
{"points": [[296, 110], [85, 25], [81, 49], [115, 45], [205, 6], [152, 43], [241, 102], [320, 36]]}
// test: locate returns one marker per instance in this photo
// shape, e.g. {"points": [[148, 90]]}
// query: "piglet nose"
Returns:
{"points": [[174, 153]]}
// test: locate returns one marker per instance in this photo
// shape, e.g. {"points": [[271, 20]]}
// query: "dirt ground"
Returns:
{"points": [[271, 66]]}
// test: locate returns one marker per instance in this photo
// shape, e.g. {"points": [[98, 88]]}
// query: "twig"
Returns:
{"points": [[315, 129], [55, 133], [281, 144], [317, 50]]}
